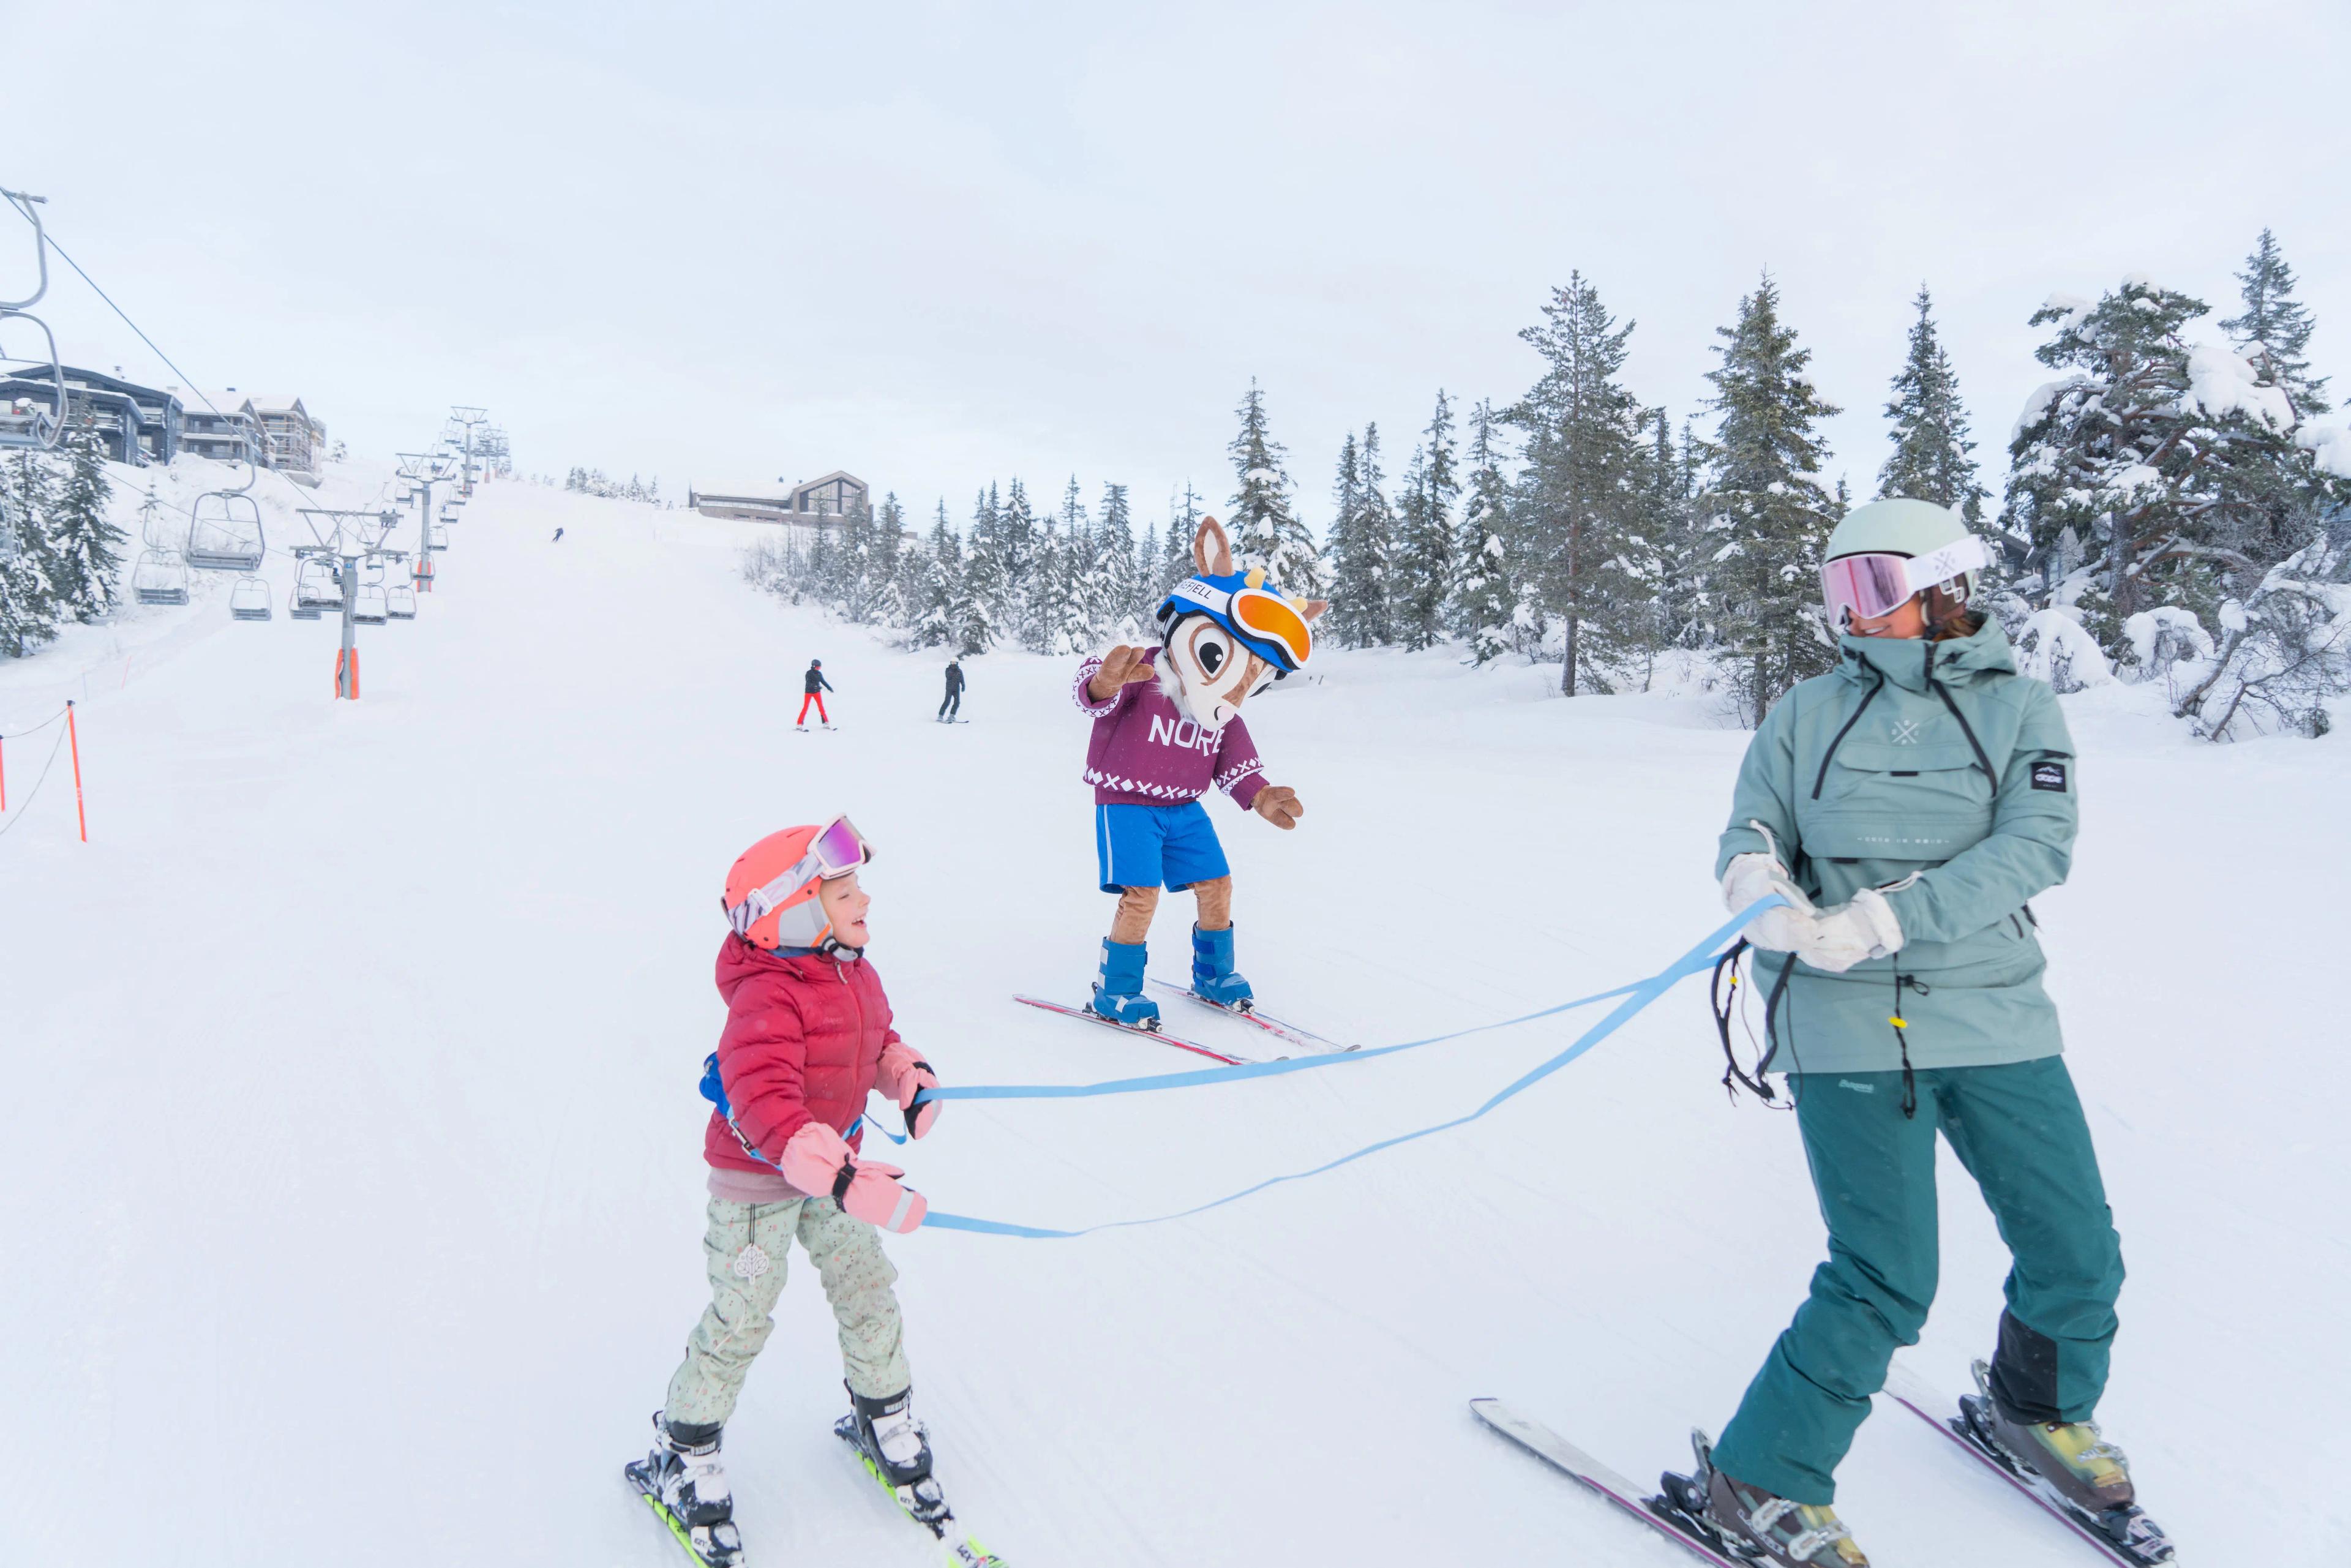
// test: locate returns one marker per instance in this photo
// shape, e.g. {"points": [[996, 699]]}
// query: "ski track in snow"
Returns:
{"points": [[351, 1186]]}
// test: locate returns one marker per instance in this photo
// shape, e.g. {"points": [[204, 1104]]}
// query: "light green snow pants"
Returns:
{"points": [[744, 1253]]}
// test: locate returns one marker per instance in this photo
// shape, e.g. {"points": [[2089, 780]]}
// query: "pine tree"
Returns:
{"points": [[1123, 584], [1764, 505], [938, 614], [1670, 479], [1424, 564], [2174, 469], [1581, 491], [1356, 559], [1487, 596], [1931, 459], [1183, 523], [85, 549], [982, 585], [2274, 331], [889, 545], [1264, 525], [28, 599]]}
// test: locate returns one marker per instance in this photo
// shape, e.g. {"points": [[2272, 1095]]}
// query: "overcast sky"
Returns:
{"points": [[934, 244]]}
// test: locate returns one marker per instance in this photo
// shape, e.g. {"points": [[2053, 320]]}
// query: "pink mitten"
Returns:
{"points": [[817, 1162], [901, 1076]]}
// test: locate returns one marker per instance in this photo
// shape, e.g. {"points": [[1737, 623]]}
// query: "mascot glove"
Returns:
{"points": [[818, 1161], [1751, 877], [1278, 804], [901, 1076], [1121, 666], [1836, 939]]}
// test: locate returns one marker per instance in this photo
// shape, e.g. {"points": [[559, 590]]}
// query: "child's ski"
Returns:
{"points": [[1304, 1039], [2125, 1536], [923, 1503], [1162, 1036], [706, 1544], [1589, 1473]]}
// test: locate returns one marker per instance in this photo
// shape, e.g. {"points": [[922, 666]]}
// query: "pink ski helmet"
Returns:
{"points": [[771, 890]]}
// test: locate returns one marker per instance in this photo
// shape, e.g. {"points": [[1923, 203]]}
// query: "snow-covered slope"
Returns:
{"points": [[350, 1171]]}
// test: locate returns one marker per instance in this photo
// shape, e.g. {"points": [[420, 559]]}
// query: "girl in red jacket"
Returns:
{"points": [[808, 1037]]}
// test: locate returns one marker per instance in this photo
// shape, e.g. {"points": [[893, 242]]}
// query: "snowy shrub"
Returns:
{"points": [[2053, 646], [2167, 644], [2284, 649]]}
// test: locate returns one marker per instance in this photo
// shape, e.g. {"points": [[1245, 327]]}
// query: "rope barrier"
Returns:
{"points": [[1637, 996]]}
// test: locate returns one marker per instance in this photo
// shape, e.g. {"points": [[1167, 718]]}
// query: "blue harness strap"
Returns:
{"points": [[1637, 996]]}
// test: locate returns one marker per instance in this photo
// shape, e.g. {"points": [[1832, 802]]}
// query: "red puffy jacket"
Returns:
{"points": [[803, 1038]]}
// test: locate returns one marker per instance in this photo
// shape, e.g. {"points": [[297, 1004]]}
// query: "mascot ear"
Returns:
{"points": [[1212, 552], [1313, 608]]}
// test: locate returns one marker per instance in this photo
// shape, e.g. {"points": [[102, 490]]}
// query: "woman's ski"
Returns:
{"points": [[1591, 1475], [2125, 1536]]}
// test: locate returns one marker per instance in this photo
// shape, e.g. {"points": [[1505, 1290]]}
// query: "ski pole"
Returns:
{"points": [[74, 736]]}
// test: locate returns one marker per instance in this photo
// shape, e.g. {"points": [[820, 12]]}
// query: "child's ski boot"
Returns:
{"points": [[1213, 979], [685, 1483], [1118, 994], [896, 1449]]}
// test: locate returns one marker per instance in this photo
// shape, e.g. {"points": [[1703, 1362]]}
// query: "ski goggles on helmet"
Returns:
{"points": [[1865, 587], [1264, 620], [837, 850]]}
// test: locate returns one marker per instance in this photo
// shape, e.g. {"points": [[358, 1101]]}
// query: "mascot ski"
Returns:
{"points": [[1166, 725]]}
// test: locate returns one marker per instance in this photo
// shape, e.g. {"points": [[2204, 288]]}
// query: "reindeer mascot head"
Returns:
{"points": [[1167, 726]]}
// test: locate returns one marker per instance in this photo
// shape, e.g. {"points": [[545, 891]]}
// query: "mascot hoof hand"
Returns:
{"points": [[1278, 804], [1121, 666]]}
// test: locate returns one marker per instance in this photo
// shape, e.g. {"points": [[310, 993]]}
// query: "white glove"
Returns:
{"points": [[1836, 939], [1752, 876]]}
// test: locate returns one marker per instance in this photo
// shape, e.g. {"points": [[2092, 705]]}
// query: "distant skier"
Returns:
{"points": [[557, 538], [952, 704], [813, 688], [808, 1037], [1907, 805]]}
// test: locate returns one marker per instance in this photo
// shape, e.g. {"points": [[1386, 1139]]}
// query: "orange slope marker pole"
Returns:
{"points": [[74, 735]]}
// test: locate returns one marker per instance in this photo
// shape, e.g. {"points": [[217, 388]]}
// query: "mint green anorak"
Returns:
{"points": [[1936, 772]]}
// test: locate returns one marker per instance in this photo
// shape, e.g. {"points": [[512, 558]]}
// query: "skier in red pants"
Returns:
{"points": [[814, 687]]}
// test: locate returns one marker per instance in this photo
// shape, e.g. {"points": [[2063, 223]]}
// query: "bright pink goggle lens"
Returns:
{"points": [[838, 850], [1864, 587]]}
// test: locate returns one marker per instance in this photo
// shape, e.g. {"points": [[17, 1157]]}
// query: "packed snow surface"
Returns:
{"points": [[351, 1184]]}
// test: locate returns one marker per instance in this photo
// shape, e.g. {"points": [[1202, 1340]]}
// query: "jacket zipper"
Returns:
{"points": [[1858, 709]]}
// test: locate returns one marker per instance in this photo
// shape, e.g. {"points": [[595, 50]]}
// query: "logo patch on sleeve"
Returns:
{"points": [[2049, 776]]}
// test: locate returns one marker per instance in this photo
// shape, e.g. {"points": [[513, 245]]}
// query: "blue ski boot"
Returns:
{"points": [[1212, 969], [1118, 995]]}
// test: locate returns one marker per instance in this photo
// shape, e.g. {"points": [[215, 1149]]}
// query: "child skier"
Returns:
{"points": [[1166, 725], [807, 1037], [813, 685]]}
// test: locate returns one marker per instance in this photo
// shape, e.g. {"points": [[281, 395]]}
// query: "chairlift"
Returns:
{"points": [[159, 578], [22, 421], [224, 532], [317, 587], [369, 609], [440, 536], [399, 602], [249, 599]]}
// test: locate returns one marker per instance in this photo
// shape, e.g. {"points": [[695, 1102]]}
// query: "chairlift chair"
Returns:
{"points": [[399, 602], [370, 608], [249, 599], [440, 536], [317, 587], [224, 530], [23, 422], [159, 578]]}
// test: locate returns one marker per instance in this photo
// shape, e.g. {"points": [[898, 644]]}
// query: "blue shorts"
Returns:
{"points": [[1156, 846]]}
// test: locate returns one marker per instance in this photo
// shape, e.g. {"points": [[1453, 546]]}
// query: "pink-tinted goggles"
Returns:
{"points": [[1864, 587], [837, 850]]}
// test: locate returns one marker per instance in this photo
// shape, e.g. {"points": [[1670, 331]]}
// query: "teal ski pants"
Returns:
{"points": [[2018, 1129]]}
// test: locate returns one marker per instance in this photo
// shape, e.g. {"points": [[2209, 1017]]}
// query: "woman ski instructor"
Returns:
{"points": [[1907, 805]]}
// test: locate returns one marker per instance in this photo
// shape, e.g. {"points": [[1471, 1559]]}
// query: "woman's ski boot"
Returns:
{"points": [[1749, 1524], [686, 1484], [2072, 1467]]}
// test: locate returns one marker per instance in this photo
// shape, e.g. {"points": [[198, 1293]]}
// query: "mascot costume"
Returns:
{"points": [[1166, 725]]}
